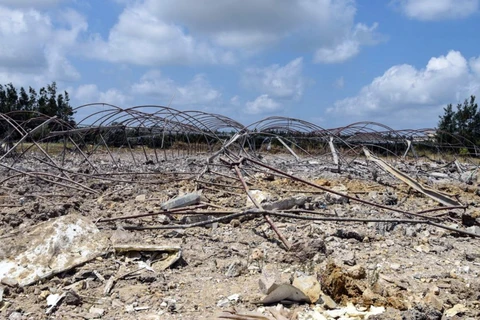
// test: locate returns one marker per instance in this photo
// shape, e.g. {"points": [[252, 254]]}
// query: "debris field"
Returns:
{"points": [[171, 215]]}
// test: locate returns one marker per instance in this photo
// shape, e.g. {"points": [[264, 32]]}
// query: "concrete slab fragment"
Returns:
{"points": [[49, 248]]}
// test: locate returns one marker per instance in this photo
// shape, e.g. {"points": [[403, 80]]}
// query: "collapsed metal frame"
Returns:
{"points": [[163, 132], [116, 144]]}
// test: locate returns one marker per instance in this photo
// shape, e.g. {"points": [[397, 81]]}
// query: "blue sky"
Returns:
{"points": [[330, 62]]}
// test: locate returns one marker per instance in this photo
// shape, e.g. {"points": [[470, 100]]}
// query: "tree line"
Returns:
{"points": [[20, 103], [462, 122]]}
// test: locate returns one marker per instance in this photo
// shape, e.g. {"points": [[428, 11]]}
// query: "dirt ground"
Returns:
{"points": [[413, 270]]}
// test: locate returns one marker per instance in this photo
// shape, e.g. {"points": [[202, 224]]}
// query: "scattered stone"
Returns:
{"points": [[473, 229], [235, 269], [223, 303], [309, 250], [72, 298], [268, 278], [16, 316], [328, 301], [457, 309], [309, 285], [356, 272], [349, 258], [10, 282], [96, 312], [331, 198], [432, 300], [141, 198], [422, 312], [234, 297], [344, 234], [259, 197]]}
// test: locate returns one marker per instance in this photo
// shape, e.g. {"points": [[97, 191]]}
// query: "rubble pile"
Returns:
{"points": [[237, 231], [238, 240]]}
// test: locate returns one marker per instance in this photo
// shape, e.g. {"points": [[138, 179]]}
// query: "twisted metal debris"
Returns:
{"points": [[132, 147]]}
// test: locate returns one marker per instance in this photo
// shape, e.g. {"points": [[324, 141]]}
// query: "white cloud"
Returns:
{"points": [[261, 105], [235, 100], [475, 65], [438, 9], [89, 93], [24, 56], [212, 32], [404, 94], [140, 37], [285, 82], [198, 91], [349, 46]]}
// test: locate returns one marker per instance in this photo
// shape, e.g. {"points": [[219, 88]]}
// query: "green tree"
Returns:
{"points": [[467, 120], [447, 125], [47, 102], [464, 123]]}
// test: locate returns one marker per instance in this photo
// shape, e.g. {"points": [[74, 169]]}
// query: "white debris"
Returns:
{"points": [[51, 247]]}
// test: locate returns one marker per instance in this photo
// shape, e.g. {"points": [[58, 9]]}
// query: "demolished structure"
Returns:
{"points": [[149, 176]]}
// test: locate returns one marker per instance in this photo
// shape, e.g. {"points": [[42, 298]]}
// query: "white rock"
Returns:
{"points": [[141, 198], [234, 297], [52, 299], [259, 196]]}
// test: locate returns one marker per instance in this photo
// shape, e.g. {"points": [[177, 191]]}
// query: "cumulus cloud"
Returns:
{"points": [[24, 55], [349, 46], [141, 37], [212, 32], [438, 9], [284, 82], [475, 65], [405, 94], [198, 91], [90, 93], [262, 104]]}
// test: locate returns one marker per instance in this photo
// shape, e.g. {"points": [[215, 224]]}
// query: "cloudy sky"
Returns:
{"points": [[330, 62]]}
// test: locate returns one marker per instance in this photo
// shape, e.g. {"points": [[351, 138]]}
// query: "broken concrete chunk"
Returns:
{"points": [[457, 309], [182, 201], [473, 229], [328, 302], [259, 196], [269, 277], [96, 312], [10, 282], [140, 198], [309, 285], [51, 247]]}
